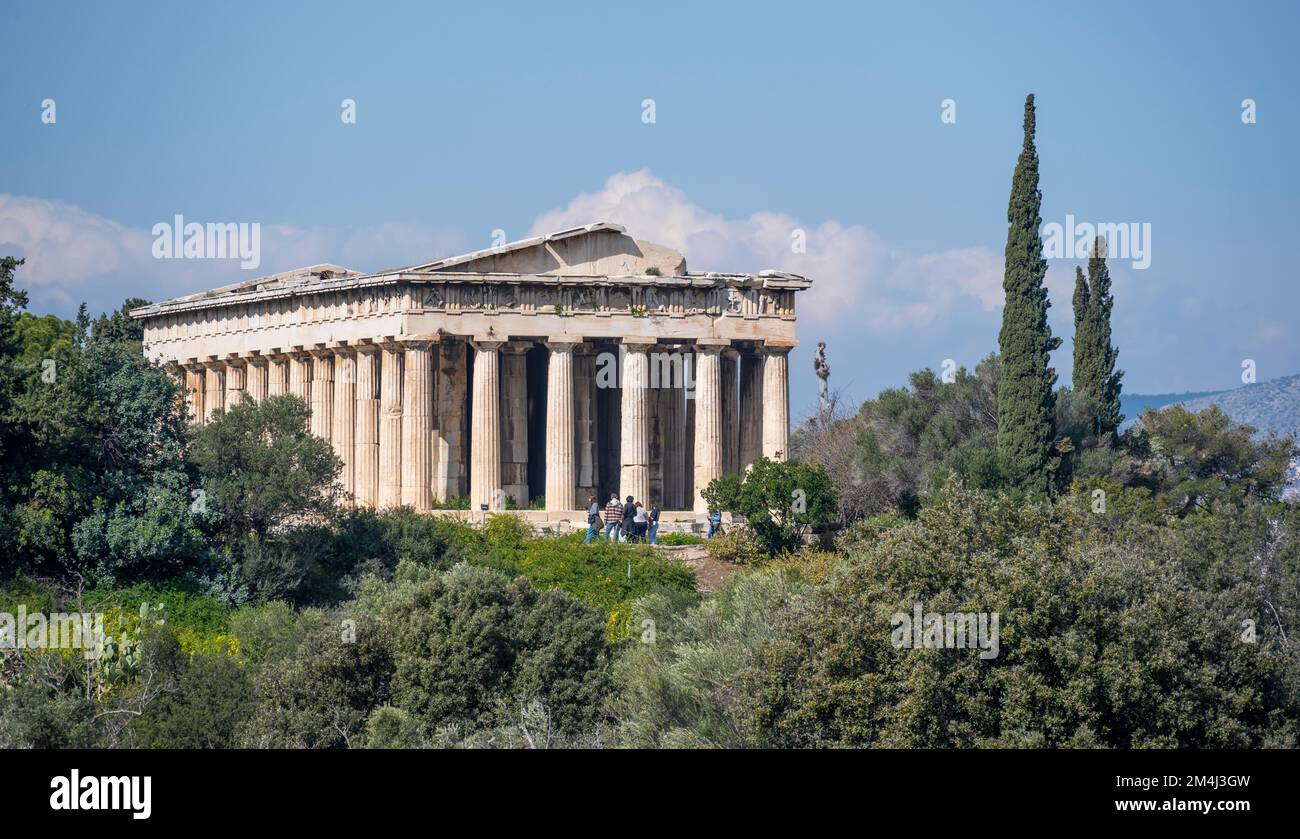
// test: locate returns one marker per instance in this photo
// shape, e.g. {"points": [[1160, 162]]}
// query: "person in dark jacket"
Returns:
{"points": [[629, 526], [654, 522]]}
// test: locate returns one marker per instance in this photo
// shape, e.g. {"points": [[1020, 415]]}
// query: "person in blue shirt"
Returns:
{"points": [[715, 522], [593, 520]]}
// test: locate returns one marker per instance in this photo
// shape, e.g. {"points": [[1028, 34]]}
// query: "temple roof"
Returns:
{"points": [[593, 253]]}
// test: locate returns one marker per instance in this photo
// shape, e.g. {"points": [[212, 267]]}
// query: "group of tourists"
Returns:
{"points": [[631, 520], [624, 521]]}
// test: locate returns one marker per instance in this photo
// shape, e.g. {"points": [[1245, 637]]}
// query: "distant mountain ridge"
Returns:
{"points": [[1132, 404], [1273, 405]]}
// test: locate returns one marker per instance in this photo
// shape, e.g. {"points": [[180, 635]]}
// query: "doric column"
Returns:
{"points": [[451, 390], [300, 376], [390, 427], [688, 426], [514, 421], [277, 376], [322, 393], [730, 412], [417, 424], [584, 423], [751, 408], [561, 472], [366, 470], [343, 427], [214, 389], [258, 378], [776, 403], [234, 383], [634, 451], [194, 392], [708, 421], [672, 410], [656, 465], [485, 431]]}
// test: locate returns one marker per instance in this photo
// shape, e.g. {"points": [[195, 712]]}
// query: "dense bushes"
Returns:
{"points": [[470, 653], [433, 652], [685, 683], [1122, 642]]}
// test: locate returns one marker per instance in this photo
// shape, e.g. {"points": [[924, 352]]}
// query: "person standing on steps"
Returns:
{"points": [[715, 523], [640, 520], [654, 522], [629, 513], [593, 520], [613, 519]]}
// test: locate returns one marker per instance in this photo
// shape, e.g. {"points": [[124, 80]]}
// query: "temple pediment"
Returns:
{"points": [[599, 249]]}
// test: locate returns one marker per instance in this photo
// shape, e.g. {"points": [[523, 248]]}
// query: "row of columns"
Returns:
{"points": [[394, 414]]}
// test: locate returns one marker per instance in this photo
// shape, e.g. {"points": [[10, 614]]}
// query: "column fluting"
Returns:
{"points": [[390, 427], [561, 472], [776, 403], [634, 449], [258, 372], [366, 470], [343, 426], [417, 424], [485, 431], [214, 389], [708, 421]]}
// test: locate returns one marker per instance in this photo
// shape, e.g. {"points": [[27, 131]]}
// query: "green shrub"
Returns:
{"points": [[608, 576], [782, 500], [394, 728], [860, 534], [267, 632], [675, 539], [45, 705], [21, 591], [469, 641], [184, 607], [205, 697], [323, 694], [505, 531], [685, 685], [811, 565], [737, 546]]}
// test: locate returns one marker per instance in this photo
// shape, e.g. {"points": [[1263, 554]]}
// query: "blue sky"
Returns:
{"points": [[769, 117]]}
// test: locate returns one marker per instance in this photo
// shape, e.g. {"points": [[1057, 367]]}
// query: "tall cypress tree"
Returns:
{"points": [[1095, 376], [1082, 343], [1025, 400]]}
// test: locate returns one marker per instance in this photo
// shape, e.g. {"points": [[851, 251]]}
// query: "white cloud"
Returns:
{"points": [[73, 255], [857, 277], [63, 243], [859, 280]]}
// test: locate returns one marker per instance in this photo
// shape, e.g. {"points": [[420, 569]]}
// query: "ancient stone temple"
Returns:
{"points": [[583, 362]]}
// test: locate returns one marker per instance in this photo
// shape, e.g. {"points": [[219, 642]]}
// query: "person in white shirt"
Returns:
{"points": [[639, 522]]}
